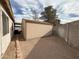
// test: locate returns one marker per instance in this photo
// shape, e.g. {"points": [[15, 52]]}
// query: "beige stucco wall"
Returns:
{"points": [[24, 29], [4, 40], [70, 32], [35, 30]]}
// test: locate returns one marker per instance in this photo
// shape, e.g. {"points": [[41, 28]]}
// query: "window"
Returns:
{"points": [[5, 24]]}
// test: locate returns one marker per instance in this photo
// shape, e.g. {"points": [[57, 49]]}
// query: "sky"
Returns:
{"points": [[67, 10]]}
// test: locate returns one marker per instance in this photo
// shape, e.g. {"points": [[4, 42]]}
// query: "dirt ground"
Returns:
{"points": [[51, 47], [48, 48], [10, 53]]}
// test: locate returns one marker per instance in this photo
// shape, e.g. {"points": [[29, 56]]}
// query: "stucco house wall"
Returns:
{"points": [[4, 39], [70, 32], [35, 29]]}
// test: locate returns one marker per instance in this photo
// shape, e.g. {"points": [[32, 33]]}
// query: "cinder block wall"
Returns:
{"points": [[62, 31], [74, 33], [33, 29], [70, 32]]}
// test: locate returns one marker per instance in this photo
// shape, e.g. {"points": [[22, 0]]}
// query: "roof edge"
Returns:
{"points": [[38, 22]]}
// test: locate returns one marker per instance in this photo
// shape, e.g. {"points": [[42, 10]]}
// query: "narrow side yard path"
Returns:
{"points": [[42, 48], [47, 48]]}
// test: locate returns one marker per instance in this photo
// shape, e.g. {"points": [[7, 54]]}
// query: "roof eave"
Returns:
{"points": [[7, 8]]}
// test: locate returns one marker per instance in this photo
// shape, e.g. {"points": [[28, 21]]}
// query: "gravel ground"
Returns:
{"points": [[48, 48], [10, 53], [11, 50]]}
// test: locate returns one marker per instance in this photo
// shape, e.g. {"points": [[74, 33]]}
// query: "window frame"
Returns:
{"points": [[5, 21]]}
